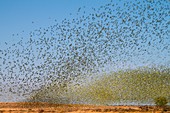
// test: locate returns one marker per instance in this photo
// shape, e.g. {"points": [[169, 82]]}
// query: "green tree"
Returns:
{"points": [[161, 101]]}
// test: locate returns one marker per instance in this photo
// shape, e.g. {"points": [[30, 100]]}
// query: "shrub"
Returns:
{"points": [[160, 101]]}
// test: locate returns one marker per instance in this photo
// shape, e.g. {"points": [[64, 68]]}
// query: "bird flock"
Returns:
{"points": [[117, 33]]}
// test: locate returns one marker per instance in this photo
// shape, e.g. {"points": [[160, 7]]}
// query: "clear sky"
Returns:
{"points": [[27, 15]]}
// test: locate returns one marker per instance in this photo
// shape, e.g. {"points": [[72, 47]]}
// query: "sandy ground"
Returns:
{"points": [[24, 107]]}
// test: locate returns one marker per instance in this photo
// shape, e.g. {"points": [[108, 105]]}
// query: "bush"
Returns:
{"points": [[160, 101]]}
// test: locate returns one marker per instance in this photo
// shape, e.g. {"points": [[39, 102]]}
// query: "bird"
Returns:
{"points": [[64, 52]]}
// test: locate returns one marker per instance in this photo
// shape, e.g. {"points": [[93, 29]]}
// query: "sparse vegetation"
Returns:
{"points": [[161, 101]]}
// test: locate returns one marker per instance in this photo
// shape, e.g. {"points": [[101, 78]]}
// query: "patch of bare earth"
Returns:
{"points": [[29, 107]]}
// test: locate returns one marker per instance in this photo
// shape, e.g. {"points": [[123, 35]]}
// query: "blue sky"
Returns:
{"points": [[27, 15]]}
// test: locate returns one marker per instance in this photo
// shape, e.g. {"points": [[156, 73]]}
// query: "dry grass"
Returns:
{"points": [[28, 107]]}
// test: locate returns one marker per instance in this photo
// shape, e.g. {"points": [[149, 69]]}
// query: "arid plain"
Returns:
{"points": [[28, 107]]}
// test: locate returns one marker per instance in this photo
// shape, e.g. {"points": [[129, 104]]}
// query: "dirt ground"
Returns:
{"points": [[27, 107]]}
